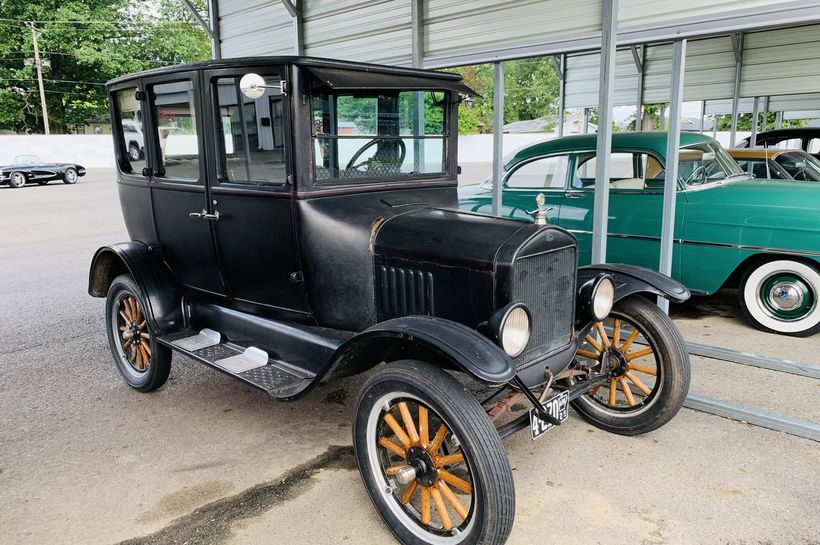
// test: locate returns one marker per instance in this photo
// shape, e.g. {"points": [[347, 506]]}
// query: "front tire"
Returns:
{"points": [[143, 362], [70, 176], [782, 296], [644, 350], [413, 415], [17, 179]]}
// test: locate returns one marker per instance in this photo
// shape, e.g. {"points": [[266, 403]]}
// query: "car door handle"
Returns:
{"points": [[205, 215], [574, 194]]}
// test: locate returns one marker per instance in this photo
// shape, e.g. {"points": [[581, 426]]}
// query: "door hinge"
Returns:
{"points": [[140, 95], [296, 277], [284, 85]]}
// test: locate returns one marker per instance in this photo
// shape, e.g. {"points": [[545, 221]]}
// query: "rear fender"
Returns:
{"points": [[159, 288], [435, 340]]}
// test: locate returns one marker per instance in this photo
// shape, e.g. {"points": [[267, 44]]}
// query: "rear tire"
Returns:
{"points": [[485, 510], [143, 362]]}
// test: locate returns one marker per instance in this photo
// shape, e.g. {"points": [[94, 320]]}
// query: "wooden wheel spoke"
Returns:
{"points": [[457, 482], [125, 317], [127, 344], [642, 369], [390, 471], [145, 335], [589, 355], [616, 333], [639, 383], [454, 502], [629, 340], [408, 492], [397, 429], [424, 427], [425, 505], [450, 459], [639, 354], [142, 325], [595, 390], [602, 332], [437, 440], [122, 328], [126, 311], [133, 356], [398, 450], [593, 343], [409, 425], [627, 391], [613, 392], [147, 347], [446, 523], [133, 303], [145, 354]]}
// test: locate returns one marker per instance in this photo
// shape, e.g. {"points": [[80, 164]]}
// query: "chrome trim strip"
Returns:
{"points": [[704, 243]]}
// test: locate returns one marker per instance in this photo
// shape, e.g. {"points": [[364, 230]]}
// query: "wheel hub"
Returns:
{"points": [[421, 460], [786, 296], [616, 362]]}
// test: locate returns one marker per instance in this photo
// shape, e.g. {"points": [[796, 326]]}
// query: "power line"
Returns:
{"points": [[56, 81]]}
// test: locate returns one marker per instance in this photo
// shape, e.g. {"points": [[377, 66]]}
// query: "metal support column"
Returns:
{"points": [[662, 117], [702, 116], [603, 150], [498, 135], [765, 123], [670, 185], [560, 67], [294, 7], [778, 120], [755, 120], [417, 19], [639, 59], [737, 46], [585, 121], [213, 18]]}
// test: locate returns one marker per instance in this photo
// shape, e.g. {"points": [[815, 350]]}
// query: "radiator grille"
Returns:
{"points": [[406, 291], [546, 284]]}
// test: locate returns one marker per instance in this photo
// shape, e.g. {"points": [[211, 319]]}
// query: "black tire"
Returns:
{"points": [[134, 152], [17, 179], [147, 375], [798, 281], [70, 176], [672, 368], [492, 503]]}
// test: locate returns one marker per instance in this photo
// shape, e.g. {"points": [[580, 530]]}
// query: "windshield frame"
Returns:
{"points": [[806, 158], [725, 161]]}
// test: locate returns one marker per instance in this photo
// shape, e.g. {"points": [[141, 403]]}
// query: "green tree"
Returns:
{"points": [[86, 43]]}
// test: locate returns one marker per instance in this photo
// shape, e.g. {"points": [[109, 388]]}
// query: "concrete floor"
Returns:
{"points": [[84, 459]]}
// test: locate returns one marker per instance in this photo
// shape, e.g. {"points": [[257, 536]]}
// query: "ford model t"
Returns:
{"points": [[295, 220]]}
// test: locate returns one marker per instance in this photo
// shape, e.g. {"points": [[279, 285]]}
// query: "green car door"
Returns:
{"points": [[635, 208]]}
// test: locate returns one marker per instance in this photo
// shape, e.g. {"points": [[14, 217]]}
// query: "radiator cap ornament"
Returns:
{"points": [[540, 213]]}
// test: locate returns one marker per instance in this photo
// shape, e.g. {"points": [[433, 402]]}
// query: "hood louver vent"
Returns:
{"points": [[406, 291]]}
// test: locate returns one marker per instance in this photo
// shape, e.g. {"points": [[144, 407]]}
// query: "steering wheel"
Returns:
{"points": [[699, 173], [352, 164]]}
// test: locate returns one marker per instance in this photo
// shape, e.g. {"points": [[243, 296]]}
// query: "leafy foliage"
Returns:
{"points": [[86, 42]]}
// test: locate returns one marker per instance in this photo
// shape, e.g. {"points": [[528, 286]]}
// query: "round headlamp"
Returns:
{"points": [[511, 328], [603, 297]]}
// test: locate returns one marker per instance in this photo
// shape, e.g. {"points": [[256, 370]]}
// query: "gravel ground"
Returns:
{"points": [[84, 459]]}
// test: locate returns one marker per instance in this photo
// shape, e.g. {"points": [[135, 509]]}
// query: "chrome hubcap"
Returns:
{"points": [[785, 296]]}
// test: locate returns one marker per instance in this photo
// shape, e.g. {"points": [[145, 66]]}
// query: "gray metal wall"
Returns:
{"points": [[254, 27]]}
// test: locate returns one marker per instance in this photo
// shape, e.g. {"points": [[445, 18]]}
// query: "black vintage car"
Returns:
{"points": [[295, 220], [805, 138], [30, 168]]}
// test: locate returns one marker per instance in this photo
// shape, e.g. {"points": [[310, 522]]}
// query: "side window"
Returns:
{"points": [[251, 142], [813, 146], [791, 143], [544, 173], [132, 150], [626, 171], [176, 131]]}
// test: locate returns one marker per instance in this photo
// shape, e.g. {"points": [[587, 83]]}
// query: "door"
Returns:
{"points": [[182, 214], [635, 209], [248, 180], [525, 181]]}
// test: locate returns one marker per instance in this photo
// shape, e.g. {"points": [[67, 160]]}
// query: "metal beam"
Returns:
{"points": [[640, 59], [562, 93], [737, 46], [755, 120], [670, 185], [785, 424], [765, 123], [603, 149], [216, 40], [295, 11], [417, 23], [585, 121], [778, 120], [498, 135], [745, 358], [199, 18]]}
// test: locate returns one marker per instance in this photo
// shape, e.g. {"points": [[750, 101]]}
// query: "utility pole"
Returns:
{"points": [[39, 77]]}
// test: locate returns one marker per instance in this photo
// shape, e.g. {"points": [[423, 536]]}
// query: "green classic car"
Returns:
{"points": [[731, 230]]}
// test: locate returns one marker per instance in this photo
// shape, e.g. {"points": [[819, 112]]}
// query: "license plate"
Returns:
{"points": [[556, 407]]}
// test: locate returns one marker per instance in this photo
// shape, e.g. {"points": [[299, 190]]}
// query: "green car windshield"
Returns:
{"points": [[800, 165], [706, 163]]}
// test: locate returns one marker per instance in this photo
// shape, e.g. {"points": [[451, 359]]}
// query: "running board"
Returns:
{"points": [[248, 364]]}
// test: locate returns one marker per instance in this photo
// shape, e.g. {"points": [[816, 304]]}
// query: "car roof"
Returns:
{"points": [[760, 153], [317, 62], [654, 141], [794, 132]]}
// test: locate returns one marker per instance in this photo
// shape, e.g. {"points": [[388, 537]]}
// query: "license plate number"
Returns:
{"points": [[556, 407]]}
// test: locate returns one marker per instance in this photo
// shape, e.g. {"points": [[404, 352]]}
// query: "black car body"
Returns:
{"points": [[302, 225], [30, 168], [805, 138]]}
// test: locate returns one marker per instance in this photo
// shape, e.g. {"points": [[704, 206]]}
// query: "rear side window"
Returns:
{"points": [[176, 130], [813, 146], [132, 150]]}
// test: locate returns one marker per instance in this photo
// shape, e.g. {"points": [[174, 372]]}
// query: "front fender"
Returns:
{"points": [[159, 288], [630, 279], [435, 340]]}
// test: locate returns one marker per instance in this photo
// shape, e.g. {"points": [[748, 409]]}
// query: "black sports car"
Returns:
{"points": [[30, 168]]}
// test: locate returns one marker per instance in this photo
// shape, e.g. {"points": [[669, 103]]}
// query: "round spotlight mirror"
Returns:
{"points": [[252, 85]]}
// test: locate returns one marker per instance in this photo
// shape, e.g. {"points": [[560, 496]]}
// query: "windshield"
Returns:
{"points": [[27, 160], [379, 134], [800, 165], [705, 163]]}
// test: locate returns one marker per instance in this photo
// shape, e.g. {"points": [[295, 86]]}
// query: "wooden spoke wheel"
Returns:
{"points": [[431, 460], [646, 365], [143, 363]]}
